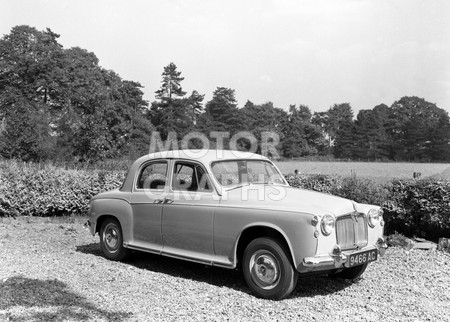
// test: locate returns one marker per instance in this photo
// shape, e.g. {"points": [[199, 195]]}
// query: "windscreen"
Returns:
{"points": [[237, 172]]}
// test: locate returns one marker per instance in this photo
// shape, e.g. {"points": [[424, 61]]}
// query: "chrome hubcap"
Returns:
{"points": [[265, 270], [111, 237]]}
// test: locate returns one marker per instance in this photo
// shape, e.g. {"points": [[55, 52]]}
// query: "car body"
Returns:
{"points": [[234, 209]]}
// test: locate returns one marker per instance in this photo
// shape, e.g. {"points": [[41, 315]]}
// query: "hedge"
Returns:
{"points": [[415, 208], [33, 190], [419, 208]]}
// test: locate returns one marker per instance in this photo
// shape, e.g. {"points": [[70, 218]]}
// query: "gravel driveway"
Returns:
{"points": [[52, 269]]}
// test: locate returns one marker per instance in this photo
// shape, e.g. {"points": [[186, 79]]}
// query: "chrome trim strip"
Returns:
{"points": [[141, 249], [188, 258]]}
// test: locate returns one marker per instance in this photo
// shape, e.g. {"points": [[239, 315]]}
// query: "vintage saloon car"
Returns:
{"points": [[234, 209]]}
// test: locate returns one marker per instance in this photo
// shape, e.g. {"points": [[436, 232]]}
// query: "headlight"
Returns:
{"points": [[327, 225], [374, 216]]}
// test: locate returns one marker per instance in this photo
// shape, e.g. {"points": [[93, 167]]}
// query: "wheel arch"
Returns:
{"points": [[261, 230], [102, 218], [118, 209]]}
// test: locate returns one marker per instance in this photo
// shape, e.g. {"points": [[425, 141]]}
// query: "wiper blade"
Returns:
{"points": [[238, 186], [247, 184]]}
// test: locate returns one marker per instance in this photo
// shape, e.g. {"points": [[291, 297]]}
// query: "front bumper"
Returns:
{"points": [[337, 259]]}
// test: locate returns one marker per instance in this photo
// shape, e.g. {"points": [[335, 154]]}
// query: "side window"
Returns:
{"points": [[183, 176], [202, 179], [153, 176], [190, 177]]}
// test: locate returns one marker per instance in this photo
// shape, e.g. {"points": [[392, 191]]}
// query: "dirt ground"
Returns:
{"points": [[53, 270]]}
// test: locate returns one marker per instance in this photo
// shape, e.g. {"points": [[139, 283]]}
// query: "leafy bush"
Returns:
{"points": [[33, 190], [415, 208], [419, 208], [317, 182], [362, 191]]}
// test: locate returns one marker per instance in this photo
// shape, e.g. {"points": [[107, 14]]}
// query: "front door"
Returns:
{"points": [[188, 214]]}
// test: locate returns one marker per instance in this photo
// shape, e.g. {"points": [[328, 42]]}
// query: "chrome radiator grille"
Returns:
{"points": [[351, 231]]}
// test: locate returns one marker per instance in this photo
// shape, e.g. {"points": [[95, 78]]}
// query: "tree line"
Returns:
{"points": [[58, 103]]}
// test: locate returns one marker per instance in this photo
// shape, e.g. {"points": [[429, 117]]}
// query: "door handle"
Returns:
{"points": [[168, 201], [158, 201]]}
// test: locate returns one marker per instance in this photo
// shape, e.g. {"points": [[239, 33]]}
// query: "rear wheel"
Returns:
{"points": [[351, 273], [268, 270], [111, 240]]}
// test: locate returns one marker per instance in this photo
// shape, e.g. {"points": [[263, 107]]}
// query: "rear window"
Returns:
{"points": [[153, 176]]}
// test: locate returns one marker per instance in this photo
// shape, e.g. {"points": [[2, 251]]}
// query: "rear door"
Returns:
{"points": [[147, 200]]}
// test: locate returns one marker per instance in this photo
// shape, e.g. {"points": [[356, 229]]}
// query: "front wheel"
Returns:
{"points": [[268, 270], [111, 240]]}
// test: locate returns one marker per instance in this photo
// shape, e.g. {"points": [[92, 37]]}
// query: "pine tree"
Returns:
{"points": [[171, 87], [173, 112]]}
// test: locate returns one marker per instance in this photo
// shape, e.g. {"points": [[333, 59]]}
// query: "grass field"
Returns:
{"points": [[377, 171], [370, 170]]}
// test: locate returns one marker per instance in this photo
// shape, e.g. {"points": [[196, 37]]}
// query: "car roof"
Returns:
{"points": [[204, 156]]}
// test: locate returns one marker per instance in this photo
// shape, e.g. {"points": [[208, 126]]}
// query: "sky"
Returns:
{"points": [[311, 52]]}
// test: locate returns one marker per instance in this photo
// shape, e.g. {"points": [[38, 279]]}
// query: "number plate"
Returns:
{"points": [[362, 258]]}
